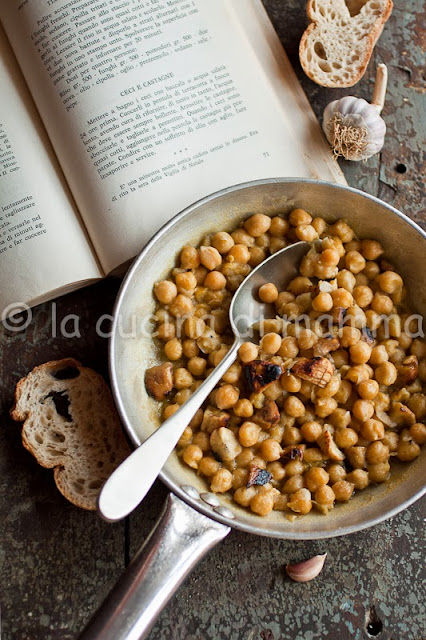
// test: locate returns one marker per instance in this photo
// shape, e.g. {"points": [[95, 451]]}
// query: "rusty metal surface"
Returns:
{"points": [[57, 562]]}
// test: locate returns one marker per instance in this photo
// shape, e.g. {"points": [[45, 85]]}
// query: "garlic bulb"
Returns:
{"points": [[353, 127]]}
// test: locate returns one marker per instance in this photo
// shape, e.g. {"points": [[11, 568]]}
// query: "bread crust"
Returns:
{"points": [[82, 448], [365, 45]]}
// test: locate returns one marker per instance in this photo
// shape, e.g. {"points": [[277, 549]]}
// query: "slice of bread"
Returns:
{"points": [[71, 425], [336, 47]]}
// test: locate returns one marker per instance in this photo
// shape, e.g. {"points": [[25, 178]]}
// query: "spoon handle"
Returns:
{"points": [[131, 481]]}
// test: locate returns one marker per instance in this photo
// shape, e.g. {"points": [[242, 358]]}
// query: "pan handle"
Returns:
{"points": [[181, 537]]}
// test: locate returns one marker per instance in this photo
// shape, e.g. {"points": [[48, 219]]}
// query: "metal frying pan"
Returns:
{"points": [[194, 520]]}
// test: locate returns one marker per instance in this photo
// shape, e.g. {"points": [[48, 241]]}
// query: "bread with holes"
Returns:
{"points": [[336, 47], [71, 425]]}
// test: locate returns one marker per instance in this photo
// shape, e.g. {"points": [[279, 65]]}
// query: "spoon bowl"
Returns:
{"points": [[131, 481]]}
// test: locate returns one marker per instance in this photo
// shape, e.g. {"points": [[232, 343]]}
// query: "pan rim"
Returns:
{"points": [[176, 489]]}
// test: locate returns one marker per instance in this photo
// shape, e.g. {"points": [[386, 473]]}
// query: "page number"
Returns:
{"points": [[266, 154]]}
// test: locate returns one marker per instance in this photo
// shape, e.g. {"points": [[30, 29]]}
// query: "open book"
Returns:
{"points": [[116, 114]]}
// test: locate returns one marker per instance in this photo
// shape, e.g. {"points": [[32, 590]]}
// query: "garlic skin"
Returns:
{"points": [[307, 570], [354, 128]]}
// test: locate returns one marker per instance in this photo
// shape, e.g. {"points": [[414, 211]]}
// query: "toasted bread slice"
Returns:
{"points": [[337, 46], [71, 425]]}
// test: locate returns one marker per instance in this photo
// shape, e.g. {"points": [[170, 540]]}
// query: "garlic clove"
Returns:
{"points": [[307, 570]]}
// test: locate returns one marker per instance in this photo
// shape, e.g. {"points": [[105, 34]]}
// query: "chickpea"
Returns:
{"points": [[239, 478], [371, 249], [173, 349], [194, 327], [299, 216], [345, 438], [313, 456], [257, 225], [378, 472], [344, 392], [181, 306], [315, 478], [349, 336], [343, 490], [190, 348], [293, 484], [391, 440], [359, 478], [186, 283], [165, 291], [336, 472], [294, 468], [243, 408], [262, 503], [248, 434], [322, 302], [320, 225], [294, 407], [210, 258], [270, 343], [353, 245], [239, 254], [306, 232], [289, 347], [407, 451], [270, 450], [368, 389], [346, 280], [379, 355], [189, 258], [240, 236], [248, 352], [324, 495], [299, 285], [245, 458], [197, 366], [306, 339], [372, 430], [340, 358], [390, 282], [418, 348], [182, 378], [386, 374], [290, 382], [183, 395], [192, 455], [340, 418], [311, 430], [418, 433], [186, 436], [244, 496], [359, 373], [166, 331], [325, 406], [342, 298], [377, 452], [215, 280], [381, 303], [354, 261], [360, 352], [363, 296], [169, 410], [356, 456], [221, 481], [342, 230], [277, 470], [329, 258], [363, 410], [330, 389], [301, 501], [226, 397], [223, 242]]}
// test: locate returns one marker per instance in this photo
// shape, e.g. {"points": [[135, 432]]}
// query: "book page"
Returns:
{"points": [[153, 104], [43, 247]]}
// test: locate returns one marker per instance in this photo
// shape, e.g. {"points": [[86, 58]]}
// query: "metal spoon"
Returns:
{"points": [[131, 481]]}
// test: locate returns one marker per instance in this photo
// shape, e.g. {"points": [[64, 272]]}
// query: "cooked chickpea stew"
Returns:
{"points": [[323, 397]]}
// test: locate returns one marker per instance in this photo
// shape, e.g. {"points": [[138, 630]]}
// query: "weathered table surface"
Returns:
{"points": [[57, 562]]}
